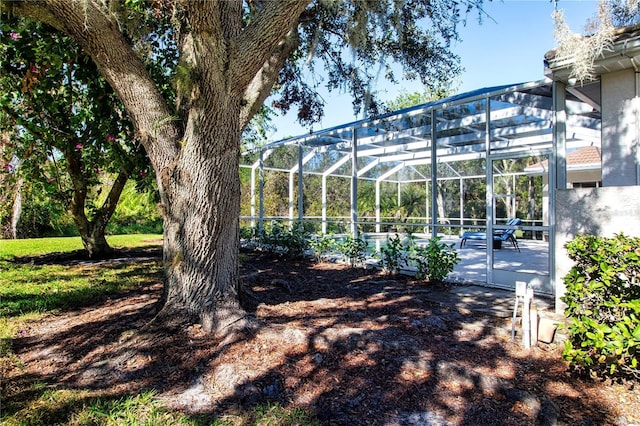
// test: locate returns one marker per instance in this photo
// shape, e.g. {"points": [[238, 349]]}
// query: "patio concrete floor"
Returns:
{"points": [[471, 292], [533, 258]]}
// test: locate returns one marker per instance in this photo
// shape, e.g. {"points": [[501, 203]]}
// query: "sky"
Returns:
{"points": [[507, 48]]}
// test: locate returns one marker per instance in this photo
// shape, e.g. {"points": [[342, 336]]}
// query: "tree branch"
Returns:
{"points": [[261, 85], [260, 40], [111, 202]]}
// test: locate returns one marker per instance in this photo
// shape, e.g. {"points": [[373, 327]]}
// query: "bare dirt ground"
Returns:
{"points": [[355, 347]]}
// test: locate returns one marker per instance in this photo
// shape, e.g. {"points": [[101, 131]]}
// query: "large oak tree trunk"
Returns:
{"points": [[201, 199]]}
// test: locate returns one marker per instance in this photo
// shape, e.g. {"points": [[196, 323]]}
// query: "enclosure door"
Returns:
{"points": [[519, 189]]}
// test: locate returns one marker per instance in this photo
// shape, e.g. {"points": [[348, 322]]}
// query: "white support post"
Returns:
{"points": [[297, 169], [557, 178], [524, 294], [254, 167], [354, 184], [324, 204], [490, 199], [258, 165], [534, 322], [461, 202], [327, 173], [261, 191], [434, 175], [521, 293], [300, 190], [291, 195], [559, 90], [378, 216], [380, 179], [526, 322]]}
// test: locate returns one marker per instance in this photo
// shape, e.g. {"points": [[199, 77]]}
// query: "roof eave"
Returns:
{"points": [[624, 54]]}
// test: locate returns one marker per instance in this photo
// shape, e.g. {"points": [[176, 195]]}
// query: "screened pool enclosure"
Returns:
{"points": [[466, 163]]}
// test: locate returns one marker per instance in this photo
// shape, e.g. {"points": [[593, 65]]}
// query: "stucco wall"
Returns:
{"points": [[597, 211], [619, 128]]}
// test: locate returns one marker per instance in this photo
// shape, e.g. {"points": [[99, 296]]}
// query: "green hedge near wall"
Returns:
{"points": [[603, 305]]}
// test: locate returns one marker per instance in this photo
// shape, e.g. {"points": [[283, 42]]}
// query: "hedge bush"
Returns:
{"points": [[603, 305]]}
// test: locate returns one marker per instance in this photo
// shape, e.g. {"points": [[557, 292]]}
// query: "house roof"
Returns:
{"points": [[586, 158], [622, 54]]}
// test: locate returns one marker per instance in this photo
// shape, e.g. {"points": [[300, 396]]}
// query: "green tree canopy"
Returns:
{"points": [[67, 129]]}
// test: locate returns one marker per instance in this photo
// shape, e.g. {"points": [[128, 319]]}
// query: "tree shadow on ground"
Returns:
{"points": [[354, 347]]}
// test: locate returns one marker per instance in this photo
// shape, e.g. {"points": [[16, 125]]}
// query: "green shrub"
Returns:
{"points": [[248, 233], [323, 245], [353, 249], [603, 304], [394, 255], [286, 242], [137, 213], [436, 260]]}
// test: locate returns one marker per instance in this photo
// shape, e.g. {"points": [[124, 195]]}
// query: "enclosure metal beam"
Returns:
{"points": [[297, 168], [371, 152], [434, 175], [253, 194], [258, 165], [378, 215], [368, 167], [354, 184], [489, 194], [461, 201], [381, 178], [261, 189], [300, 189], [326, 173]]}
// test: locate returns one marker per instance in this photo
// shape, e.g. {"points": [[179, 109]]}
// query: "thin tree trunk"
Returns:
{"points": [[17, 209], [92, 232]]}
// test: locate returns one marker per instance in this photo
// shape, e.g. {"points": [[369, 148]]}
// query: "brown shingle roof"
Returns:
{"points": [[582, 156], [589, 155]]}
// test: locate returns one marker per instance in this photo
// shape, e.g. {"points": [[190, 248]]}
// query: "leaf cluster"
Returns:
{"points": [[603, 304], [66, 124], [348, 45]]}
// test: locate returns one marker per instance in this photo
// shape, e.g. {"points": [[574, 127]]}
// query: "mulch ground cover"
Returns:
{"points": [[355, 347]]}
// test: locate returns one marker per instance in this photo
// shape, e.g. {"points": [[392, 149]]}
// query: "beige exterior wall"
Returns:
{"points": [[583, 176], [596, 211], [619, 128]]}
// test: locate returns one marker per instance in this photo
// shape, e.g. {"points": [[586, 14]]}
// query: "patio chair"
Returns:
{"points": [[498, 236]]}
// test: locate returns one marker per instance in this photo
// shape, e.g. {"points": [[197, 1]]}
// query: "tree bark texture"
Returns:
{"points": [[201, 199], [232, 67]]}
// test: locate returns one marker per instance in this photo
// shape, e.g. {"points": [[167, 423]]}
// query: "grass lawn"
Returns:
{"points": [[28, 292], [38, 246]]}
